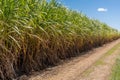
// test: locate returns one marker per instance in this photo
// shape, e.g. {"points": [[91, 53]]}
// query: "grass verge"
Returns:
{"points": [[115, 75]]}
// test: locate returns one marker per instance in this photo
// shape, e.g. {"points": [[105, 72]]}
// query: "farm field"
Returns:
{"points": [[36, 35]]}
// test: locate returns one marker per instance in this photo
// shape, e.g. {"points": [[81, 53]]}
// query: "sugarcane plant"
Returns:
{"points": [[35, 34]]}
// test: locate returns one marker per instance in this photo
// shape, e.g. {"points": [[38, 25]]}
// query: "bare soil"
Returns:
{"points": [[82, 67], [101, 70]]}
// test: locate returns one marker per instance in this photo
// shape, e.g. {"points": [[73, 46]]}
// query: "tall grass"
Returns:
{"points": [[35, 34]]}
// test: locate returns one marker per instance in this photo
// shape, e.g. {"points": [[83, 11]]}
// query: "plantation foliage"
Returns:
{"points": [[35, 34]]}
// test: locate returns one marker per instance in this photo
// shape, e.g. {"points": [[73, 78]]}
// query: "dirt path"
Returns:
{"points": [[95, 65], [102, 68]]}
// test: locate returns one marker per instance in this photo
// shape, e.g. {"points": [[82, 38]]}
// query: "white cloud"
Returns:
{"points": [[102, 10]]}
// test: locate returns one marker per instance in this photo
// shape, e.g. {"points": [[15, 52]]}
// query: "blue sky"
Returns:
{"points": [[107, 11]]}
